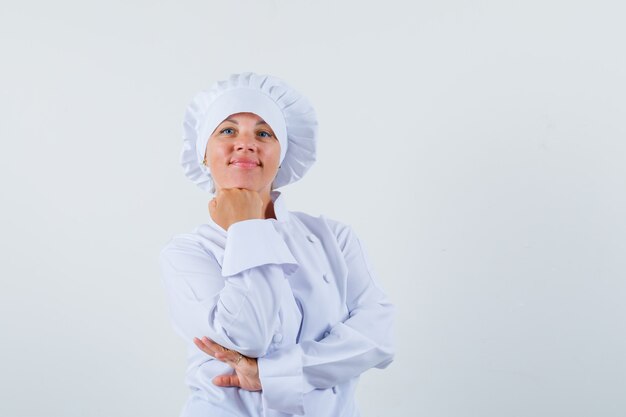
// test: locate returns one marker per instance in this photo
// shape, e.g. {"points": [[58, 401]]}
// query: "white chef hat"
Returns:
{"points": [[290, 115]]}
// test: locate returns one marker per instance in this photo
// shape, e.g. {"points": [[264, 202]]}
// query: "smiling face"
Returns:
{"points": [[243, 152]]}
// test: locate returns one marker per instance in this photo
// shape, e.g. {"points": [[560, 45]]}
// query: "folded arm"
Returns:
{"points": [[236, 305], [351, 347]]}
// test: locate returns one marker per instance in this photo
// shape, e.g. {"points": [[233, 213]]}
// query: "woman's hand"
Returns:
{"points": [[246, 369], [232, 205]]}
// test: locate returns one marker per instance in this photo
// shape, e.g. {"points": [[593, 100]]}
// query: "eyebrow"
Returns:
{"points": [[260, 122]]}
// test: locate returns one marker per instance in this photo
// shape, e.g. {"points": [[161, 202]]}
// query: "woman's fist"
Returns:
{"points": [[232, 205]]}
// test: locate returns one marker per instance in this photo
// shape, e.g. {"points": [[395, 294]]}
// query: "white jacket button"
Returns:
{"points": [[277, 338], [311, 238], [325, 276]]}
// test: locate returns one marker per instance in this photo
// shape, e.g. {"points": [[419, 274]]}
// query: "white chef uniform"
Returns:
{"points": [[296, 292]]}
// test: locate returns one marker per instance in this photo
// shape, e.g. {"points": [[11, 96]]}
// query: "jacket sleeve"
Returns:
{"points": [[236, 305], [364, 340]]}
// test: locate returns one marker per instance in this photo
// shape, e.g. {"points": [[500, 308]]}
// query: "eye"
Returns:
{"points": [[265, 134], [227, 131]]}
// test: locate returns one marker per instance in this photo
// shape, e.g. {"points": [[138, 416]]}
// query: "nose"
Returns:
{"points": [[246, 142]]}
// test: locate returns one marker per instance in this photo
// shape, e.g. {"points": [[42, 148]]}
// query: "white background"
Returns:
{"points": [[477, 147]]}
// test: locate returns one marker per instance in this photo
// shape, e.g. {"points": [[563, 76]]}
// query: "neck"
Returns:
{"points": [[268, 206]]}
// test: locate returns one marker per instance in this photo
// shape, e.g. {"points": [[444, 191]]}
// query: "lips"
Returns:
{"points": [[246, 163]]}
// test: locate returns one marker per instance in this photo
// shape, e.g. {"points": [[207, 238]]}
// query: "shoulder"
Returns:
{"points": [[343, 236], [342, 232], [186, 252], [183, 242]]}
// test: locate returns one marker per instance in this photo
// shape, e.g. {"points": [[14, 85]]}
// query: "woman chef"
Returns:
{"points": [[280, 310]]}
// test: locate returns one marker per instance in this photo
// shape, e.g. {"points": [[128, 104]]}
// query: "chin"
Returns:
{"points": [[245, 185]]}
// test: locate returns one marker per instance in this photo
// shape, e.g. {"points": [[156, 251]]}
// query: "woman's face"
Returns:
{"points": [[243, 152]]}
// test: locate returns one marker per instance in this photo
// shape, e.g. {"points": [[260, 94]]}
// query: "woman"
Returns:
{"points": [[279, 309]]}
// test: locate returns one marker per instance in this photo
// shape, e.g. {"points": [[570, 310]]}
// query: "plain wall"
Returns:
{"points": [[478, 148]]}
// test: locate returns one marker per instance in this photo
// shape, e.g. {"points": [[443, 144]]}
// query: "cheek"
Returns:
{"points": [[274, 157], [215, 154], [271, 165]]}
